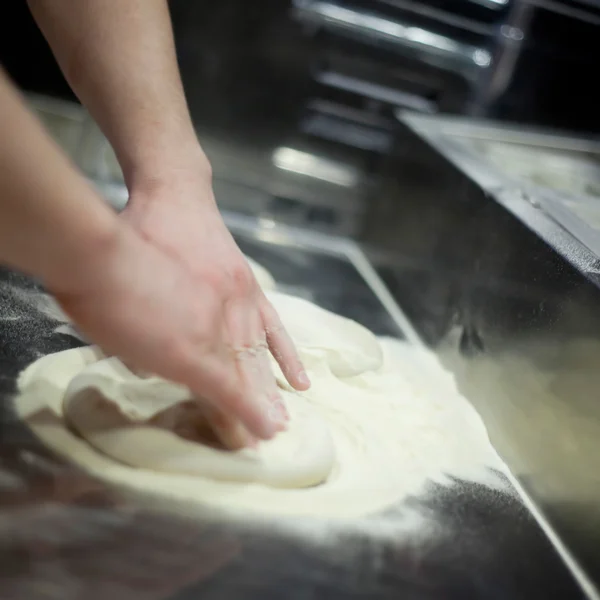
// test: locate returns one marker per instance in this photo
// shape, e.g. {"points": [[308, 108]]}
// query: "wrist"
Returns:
{"points": [[165, 162], [170, 175]]}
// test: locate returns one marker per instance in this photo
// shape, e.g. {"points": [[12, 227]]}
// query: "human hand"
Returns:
{"points": [[176, 297]]}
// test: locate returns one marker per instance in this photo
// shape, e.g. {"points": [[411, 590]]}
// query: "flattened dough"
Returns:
{"points": [[347, 347], [134, 420], [380, 420], [139, 422]]}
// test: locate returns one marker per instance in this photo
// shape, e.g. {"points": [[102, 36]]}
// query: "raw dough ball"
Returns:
{"points": [[138, 420], [348, 348], [154, 424], [372, 433], [393, 431]]}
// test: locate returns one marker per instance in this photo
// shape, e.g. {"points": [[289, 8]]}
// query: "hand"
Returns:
{"points": [[176, 297]]}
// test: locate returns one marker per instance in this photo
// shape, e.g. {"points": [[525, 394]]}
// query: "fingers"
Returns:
{"points": [[282, 347], [230, 431], [217, 380], [251, 354], [198, 421]]}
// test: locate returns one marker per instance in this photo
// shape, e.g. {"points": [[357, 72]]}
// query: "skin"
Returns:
{"points": [[163, 285]]}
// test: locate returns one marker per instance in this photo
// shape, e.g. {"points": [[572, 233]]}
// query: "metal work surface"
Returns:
{"points": [[508, 299], [65, 535], [558, 176]]}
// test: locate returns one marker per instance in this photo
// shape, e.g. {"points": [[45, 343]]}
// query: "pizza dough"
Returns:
{"points": [[156, 425], [380, 420], [347, 348], [137, 420]]}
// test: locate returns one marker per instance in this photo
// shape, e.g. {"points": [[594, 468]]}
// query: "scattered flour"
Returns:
{"points": [[394, 430], [397, 424]]}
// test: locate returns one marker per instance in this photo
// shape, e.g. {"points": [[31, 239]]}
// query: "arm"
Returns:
{"points": [[52, 223], [119, 57], [135, 300]]}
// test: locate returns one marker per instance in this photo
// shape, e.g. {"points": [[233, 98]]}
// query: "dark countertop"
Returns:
{"points": [[65, 535]]}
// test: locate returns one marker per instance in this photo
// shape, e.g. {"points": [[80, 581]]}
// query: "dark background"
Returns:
{"points": [[238, 50]]}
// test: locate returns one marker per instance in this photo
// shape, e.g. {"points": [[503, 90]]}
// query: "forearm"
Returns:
{"points": [[119, 57], [52, 223]]}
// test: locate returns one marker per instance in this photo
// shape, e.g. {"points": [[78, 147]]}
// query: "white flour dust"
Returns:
{"points": [[397, 423]]}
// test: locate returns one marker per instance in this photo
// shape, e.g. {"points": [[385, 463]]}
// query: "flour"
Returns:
{"points": [[395, 430], [395, 417]]}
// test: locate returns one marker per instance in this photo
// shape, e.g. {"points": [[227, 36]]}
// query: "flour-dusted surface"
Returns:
{"points": [[65, 534], [392, 421], [394, 430]]}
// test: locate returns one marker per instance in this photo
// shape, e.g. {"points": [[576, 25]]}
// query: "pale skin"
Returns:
{"points": [[163, 285]]}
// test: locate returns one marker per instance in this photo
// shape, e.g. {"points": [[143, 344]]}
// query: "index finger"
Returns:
{"points": [[282, 347]]}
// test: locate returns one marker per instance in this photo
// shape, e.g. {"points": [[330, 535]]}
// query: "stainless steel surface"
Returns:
{"points": [[428, 45], [568, 10], [511, 39], [447, 18], [64, 121], [437, 545], [555, 173], [298, 183], [377, 92], [507, 293], [493, 4], [66, 536]]}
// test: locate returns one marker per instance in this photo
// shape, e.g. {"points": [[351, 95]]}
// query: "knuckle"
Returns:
{"points": [[242, 279], [175, 351], [271, 317], [235, 401]]}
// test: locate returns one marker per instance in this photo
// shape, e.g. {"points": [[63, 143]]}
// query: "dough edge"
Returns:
{"points": [[38, 391]]}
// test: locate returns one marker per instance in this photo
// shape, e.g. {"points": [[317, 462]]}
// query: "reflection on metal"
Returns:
{"points": [[556, 173], [350, 134], [375, 91], [494, 4], [481, 58], [483, 129], [567, 9], [441, 16], [267, 223], [582, 578], [513, 33], [402, 34], [365, 268], [64, 121], [561, 163], [508, 49], [574, 174], [292, 237], [528, 285], [349, 113], [310, 165]]}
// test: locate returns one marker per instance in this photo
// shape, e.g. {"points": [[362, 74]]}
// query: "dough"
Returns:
{"points": [[263, 277], [119, 413], [347, 348], [380, 420], [154, 424]]}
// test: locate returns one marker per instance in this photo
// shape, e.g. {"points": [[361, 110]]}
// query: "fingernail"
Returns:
{"points": [[275, 420], [272, 426], [280, 416], [303, 378], [281, 408]]}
